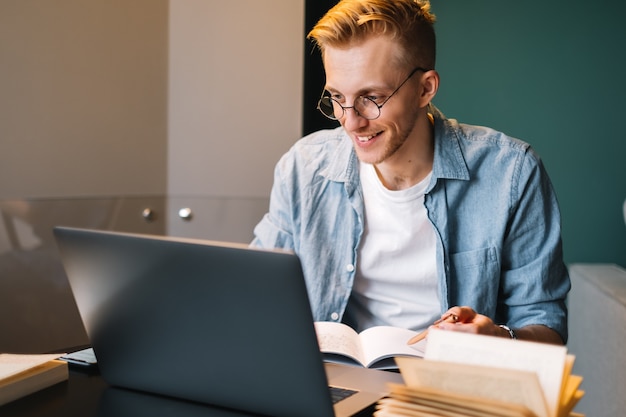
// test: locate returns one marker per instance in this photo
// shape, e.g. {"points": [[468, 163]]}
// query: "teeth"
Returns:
{"points": [[364, 138]]}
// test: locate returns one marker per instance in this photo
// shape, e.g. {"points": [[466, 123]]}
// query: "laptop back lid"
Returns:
{"points": [[212, 322]]}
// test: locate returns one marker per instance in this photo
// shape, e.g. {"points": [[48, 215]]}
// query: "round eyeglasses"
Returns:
{"points": [[365, 107]]}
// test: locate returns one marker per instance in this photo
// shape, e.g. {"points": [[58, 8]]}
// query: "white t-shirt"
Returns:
{"points": [[396, 277]]}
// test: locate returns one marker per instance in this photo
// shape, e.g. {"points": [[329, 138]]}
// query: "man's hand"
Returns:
{"points": [[469, 321], [465, 319]]}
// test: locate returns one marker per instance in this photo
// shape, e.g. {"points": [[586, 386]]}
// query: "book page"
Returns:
{"points": [[383, 342], [413, 401], [13, 364], [338, 338], [369, 348], [548, 361], [480, 382]]}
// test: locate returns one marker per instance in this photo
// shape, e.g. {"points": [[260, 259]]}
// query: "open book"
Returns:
{"points": [[467, 375], [375, 347]]}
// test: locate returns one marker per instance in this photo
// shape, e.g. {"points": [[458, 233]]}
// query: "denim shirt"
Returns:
{"points": [[490, 201]]}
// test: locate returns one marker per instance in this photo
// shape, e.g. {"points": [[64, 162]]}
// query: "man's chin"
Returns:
{"points": [[367, 158]]}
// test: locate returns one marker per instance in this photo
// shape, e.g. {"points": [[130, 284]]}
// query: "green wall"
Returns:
{"points": [[551, 73]]}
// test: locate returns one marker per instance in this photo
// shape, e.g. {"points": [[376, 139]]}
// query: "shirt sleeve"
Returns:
{"points": [[274, 230], [535, 281]]}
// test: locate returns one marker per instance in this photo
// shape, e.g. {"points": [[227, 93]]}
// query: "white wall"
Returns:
{"points": [[234, 107], [110, 97], [235, 93], [83, 90]]}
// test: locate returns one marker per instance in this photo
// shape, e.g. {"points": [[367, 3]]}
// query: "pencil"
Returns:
{"points": [[449, 318]]}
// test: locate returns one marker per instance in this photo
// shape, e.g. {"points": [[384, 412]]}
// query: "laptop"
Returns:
{"points": [[211, 322]]}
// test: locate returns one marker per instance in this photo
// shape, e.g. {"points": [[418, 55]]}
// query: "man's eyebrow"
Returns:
{"points": [[362, 91]]}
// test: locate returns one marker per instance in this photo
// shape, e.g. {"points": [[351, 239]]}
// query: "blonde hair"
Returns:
{"points": [[410, 22]]}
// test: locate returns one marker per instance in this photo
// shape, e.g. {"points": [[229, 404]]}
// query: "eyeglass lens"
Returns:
{"points": [[365, 107]]}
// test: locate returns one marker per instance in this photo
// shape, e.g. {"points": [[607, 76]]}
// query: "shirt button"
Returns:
{"points": [[349, 267], [334, 316]]}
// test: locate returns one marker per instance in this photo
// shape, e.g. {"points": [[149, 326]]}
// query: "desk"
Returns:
{"points": [[88, 395]]}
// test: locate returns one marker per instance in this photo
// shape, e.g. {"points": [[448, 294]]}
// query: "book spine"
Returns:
{"points": [[35, 380]]}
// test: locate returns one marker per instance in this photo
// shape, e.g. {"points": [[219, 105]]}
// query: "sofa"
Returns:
{"points": [[597, 334]]}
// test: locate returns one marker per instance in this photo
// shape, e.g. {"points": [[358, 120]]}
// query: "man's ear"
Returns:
{"points": [[429, 87]]}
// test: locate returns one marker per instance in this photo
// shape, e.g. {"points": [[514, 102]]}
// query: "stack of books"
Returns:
{"points": [[465, 375]]}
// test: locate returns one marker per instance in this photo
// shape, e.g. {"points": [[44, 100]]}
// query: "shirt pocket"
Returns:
{"points": [[473, 259], [474, 279]]}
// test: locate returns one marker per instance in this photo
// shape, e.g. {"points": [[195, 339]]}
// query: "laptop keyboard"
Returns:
{"points": [[337, 394]]}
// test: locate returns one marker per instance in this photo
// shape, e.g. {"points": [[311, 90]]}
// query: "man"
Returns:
{"points": [[401, 216]]}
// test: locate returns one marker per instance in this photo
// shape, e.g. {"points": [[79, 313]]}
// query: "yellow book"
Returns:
{"points": [[21, 375]]}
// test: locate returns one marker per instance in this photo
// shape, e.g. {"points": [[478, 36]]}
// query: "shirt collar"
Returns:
{"points": [[449, 161]]}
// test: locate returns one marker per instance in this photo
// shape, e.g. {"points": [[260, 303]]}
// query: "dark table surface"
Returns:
{"points": [[86, 394]]}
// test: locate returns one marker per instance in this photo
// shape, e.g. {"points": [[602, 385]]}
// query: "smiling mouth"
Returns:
{"points": [[364, 139]]}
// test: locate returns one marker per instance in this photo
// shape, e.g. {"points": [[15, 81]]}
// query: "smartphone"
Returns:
{"points": [[84, 358]]}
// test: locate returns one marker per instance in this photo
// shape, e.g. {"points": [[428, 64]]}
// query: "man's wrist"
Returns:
{"points": [[511, 332]]}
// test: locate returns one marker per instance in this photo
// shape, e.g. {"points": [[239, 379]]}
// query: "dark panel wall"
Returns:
{"points": [[312, 119]]}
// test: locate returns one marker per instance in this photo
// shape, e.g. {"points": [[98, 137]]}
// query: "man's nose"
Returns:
{"points": [[352, 119]]}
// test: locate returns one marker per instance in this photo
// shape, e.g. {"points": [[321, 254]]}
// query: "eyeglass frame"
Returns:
{"points": [[379, 106]]}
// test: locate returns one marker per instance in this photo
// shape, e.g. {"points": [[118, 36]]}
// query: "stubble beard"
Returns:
{"points": [[394, 144]]}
